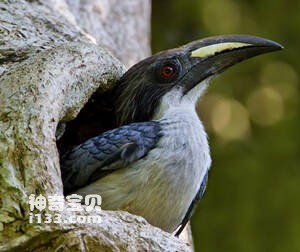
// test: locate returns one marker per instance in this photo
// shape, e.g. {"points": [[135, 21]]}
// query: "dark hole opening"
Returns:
{"points": [[96, 117]]}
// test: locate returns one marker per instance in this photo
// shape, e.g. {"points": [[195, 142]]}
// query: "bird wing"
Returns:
{"points": [[193, 205], [105, 153]]}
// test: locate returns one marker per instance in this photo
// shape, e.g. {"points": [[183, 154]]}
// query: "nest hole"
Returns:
{"points": [[96, 117]]}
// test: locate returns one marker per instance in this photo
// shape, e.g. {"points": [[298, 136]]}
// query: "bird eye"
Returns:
{"points": [[167, 71]]}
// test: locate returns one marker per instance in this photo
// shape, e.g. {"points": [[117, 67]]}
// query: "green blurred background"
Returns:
{"points": [[252, 116]]}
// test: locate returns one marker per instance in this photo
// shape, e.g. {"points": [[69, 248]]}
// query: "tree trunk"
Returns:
{"points": [[54, 55]]}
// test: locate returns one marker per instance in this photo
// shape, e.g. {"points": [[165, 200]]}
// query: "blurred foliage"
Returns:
{"points": [[252, 116]]}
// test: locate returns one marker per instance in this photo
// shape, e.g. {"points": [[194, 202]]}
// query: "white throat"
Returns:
{"points": [[175, 100]]}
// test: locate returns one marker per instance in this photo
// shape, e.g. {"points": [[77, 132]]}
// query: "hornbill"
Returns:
{"points": [[156, 163]]}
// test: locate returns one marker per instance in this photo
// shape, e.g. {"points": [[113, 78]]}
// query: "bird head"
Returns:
{"points": [[181, 75]]}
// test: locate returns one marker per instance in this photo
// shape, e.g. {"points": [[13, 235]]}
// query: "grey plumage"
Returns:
{"points": [[155, 184], [193, 205], [158, 166], [113, 150]]}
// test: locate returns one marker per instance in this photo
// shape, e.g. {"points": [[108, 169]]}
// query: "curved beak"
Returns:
{"points": [[213, 55]]}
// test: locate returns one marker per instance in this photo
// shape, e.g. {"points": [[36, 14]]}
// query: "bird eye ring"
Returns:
{"points": [[167, 71]]}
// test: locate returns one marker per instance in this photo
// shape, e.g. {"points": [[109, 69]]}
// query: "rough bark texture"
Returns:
{"points": [[51, 64]]}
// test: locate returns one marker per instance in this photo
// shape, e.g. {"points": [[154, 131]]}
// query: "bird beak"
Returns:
{"points": [[213, 55]]}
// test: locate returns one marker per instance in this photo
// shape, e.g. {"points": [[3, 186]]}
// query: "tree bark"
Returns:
{"points": [[54, 55]]}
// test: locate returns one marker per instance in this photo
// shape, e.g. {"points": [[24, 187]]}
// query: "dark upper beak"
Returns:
{"points": [[213, 55]]}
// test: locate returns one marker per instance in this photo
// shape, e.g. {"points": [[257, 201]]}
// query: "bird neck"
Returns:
{"points": [[176, 101]]}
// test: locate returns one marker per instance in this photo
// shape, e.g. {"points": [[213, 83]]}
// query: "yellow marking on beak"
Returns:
{"points": [[216, 48]]}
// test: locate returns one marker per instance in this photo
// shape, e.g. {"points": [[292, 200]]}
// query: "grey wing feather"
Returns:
{"points": [[105, 153], [193, 205]]}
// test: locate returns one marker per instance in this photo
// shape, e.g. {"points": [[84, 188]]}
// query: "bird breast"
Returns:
{"points": [[161, 186], [171, 173]]}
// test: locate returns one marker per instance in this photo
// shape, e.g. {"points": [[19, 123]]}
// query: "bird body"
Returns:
{"points": [[159, 184], [157, 166]]}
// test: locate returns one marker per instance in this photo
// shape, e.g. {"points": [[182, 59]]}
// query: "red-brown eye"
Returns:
{"points": [[167, 71]]}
